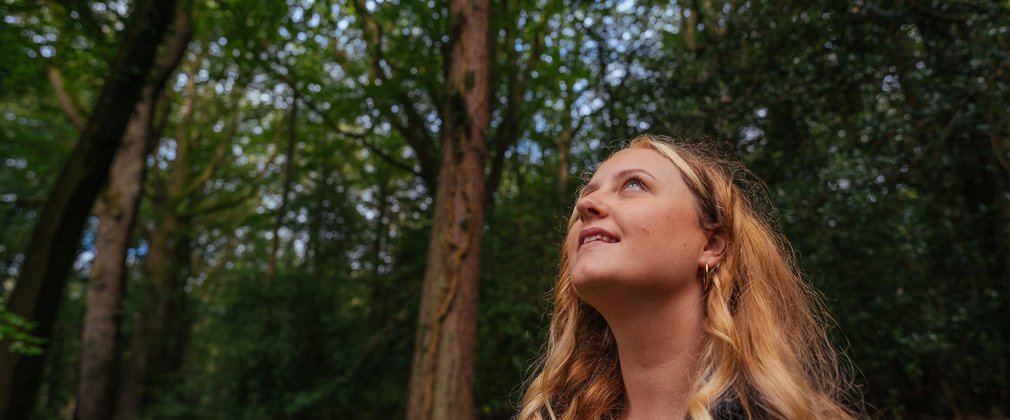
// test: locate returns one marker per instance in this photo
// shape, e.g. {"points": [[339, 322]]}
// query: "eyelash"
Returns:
{"points": [[633, 178]]}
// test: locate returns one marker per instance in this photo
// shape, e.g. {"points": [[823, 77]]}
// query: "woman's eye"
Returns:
{"points": [[633, 184]]}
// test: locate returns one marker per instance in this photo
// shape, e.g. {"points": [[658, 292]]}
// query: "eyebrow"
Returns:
{"points": [[590, 187]]}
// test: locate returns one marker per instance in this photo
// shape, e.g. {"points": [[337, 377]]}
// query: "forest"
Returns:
{"points": [[322, 209]]}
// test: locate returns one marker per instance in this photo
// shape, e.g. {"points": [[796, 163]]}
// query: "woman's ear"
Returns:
{"points": [[715, 249]]}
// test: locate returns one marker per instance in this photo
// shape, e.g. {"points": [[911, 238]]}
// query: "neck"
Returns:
{"points": [[659, 343]]}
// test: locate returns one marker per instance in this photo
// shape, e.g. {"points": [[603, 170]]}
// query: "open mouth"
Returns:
{"points": [[596, 235]]}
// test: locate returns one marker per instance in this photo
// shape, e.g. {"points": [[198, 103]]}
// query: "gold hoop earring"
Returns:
{"points": [[706, 283]]}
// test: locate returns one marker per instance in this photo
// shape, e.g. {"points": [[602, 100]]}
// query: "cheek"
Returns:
{"points": [[672, 236], [571, 241]]}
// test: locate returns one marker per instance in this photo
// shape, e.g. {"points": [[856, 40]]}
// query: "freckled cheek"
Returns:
{"points": [[674, 231]]}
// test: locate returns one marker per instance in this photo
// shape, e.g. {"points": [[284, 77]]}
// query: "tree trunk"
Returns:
{"points": [[564, 145], [381, 306], [163, 268], [316, 231], [154, 326], [100, 343], [441, 382], [289, 177], [54, 241]]}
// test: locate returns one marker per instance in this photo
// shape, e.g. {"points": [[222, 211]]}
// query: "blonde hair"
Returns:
{"points": [[766, 343]]}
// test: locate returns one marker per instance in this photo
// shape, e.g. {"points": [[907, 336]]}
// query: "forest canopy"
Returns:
{"points": [[353, 209]]}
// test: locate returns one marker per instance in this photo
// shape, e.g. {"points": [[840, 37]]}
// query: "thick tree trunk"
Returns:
{"points": [[54, 242], [100, 343], [101, 332], [441, 382]]}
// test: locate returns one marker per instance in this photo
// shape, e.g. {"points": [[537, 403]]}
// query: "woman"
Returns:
{"points": [[677, 299]]}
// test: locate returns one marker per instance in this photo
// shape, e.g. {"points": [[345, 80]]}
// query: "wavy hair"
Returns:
{"points": [[766, 348]]}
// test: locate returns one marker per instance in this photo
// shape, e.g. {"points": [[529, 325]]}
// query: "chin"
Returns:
{"points": [[620, 288], [590, 284]]}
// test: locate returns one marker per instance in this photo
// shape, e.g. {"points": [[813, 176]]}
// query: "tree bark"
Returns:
{"points": [[441, 383], [163, 267], [54, 241], [100, 343]]}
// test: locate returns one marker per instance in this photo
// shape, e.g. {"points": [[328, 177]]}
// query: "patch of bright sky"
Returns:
{"points": [[531, 150], [625, 6]]}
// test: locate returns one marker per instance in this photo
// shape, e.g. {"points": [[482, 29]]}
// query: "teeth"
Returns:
{"points": [[597, 237]]}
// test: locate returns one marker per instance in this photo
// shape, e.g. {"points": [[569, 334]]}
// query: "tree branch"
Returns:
{"points": [[174, 49], [162, 119], [363, 140], [508, 131], [413, 129], [688, 26], [66, 101], [223, 204], [712, 21], [85, 16], [210, 170]]}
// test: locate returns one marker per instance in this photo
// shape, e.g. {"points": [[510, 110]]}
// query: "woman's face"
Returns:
{"points": [[638, 230]]}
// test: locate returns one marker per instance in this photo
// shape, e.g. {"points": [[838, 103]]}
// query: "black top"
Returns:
{"points": [[733, 410]]}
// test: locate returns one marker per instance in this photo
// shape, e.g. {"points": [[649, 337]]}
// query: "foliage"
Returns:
{"points": [[879, 130], [17, 331]]}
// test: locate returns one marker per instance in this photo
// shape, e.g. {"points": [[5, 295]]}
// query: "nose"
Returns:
{"points": [[590, 207]]}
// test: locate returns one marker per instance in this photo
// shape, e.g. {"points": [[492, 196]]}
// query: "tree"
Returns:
{"points": [[441, 382], [180, 195], [54, 241], [876, 128], [116, 212]]}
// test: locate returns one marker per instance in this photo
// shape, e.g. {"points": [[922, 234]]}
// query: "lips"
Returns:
{"points": [[595, 234]]}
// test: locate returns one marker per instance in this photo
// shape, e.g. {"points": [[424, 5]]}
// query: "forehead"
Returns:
{"points": [[648, 160]]}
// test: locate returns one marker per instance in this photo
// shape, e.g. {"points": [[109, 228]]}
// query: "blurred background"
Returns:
{"points": [[258, 248]]}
